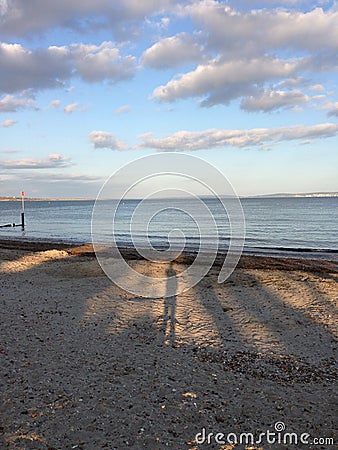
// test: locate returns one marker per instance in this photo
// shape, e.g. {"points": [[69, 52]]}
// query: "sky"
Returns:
{"points": [[87, 86]]}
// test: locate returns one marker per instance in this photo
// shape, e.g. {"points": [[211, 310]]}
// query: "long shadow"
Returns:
{"points": [[227, 331], [169, 311], [285, 320], [271, 316], [330, 307]]}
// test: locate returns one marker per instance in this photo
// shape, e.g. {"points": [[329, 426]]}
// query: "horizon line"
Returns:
{"points": [[278, 194]]}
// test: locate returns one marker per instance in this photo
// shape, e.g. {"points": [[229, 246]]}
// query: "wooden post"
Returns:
{"points": [[23, 210]]}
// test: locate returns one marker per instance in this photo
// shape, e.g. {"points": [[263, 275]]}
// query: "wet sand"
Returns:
{"points": [[86, 365]]}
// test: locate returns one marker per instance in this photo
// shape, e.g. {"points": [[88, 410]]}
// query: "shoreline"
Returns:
{"points": [[247, 261]]}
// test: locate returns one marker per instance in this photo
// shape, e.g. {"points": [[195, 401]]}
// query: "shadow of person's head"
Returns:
{"points": [[170, 272]]}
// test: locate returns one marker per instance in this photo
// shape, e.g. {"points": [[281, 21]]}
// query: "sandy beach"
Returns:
{"points": [[85, 365]]}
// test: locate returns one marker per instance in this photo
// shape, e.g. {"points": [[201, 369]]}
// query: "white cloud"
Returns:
{"points": [[103, 62], [22, 17], [73, 107], [213, 138], [278, 3], [104, 139], [11, 103], [24, 69], [70, 108], [165, 21], [54, 104], [270, 99], [173, 51], [122, 109], [8, 123], [234, 42], [317, 88], [256, 31], [53, 161], [292, 82], [246, 45], [52, 67], [222, 81]]}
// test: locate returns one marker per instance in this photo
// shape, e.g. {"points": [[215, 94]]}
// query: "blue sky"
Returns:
{"points": [[87, 86]]}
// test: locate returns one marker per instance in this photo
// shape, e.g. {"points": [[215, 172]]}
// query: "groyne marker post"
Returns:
{"points": [[23, 209]]}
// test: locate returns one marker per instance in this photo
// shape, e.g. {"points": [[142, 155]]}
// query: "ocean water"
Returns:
{"points": [[273, 225]]}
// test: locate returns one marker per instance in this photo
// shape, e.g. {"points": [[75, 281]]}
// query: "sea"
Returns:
{"points": [[290, 226]]}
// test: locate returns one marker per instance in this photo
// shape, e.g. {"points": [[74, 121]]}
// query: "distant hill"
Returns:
{"points": [[302, 195]]}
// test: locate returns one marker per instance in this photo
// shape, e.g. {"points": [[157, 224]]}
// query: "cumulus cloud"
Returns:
{"points": [[8, 123], [277, 3], [104, 139], [104, 62], [53, 161], [270, 99], [11, 103], [22, 68], [234, 42], [213, 138], [173, 51], [246, 45], [258, 31], [20, 17], [222, 81]]}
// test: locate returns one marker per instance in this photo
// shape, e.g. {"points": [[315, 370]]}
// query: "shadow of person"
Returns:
{"points": [[169, 319]]}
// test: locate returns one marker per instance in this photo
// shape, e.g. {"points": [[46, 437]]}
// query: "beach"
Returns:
{"points": [[86, 365]]}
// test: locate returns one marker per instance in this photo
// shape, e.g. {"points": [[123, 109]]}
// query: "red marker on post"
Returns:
{"points": [[23, 194]]}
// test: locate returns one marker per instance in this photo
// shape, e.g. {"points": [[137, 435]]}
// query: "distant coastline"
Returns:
{"points": [[278, 195], [302, 195], [44, 199]]}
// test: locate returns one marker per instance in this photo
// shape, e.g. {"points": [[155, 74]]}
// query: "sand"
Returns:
{"points": [[86, 365]]}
